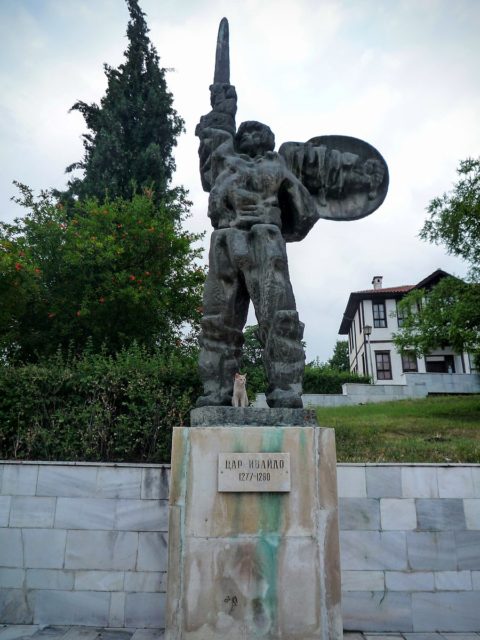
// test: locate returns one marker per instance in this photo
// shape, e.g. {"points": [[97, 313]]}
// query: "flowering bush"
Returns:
{"points": [[110, 274]]}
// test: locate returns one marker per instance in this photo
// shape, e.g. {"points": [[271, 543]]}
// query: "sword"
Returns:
{"points": [[222, 55]]}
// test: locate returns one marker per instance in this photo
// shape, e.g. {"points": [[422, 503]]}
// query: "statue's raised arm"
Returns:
{"points": [[217, 127]]}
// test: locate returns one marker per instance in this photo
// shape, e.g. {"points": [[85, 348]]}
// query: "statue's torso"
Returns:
{"points": [[246, 191]]}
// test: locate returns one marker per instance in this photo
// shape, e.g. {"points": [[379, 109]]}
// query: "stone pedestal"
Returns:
{"points": [[256, 564]]}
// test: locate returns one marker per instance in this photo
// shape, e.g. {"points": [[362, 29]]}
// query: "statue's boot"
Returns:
{"points": [[218, 362]]}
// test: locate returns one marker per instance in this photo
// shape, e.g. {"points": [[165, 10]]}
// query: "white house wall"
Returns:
{"points": [[380, 340], [358, 346]]}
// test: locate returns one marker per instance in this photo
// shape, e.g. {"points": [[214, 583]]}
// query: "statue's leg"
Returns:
{"points": [[225, 308], [281, 332]]}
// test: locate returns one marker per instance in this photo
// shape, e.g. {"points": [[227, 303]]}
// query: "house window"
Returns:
{"points": [[401, 315], [379, 315], [384, 366], [409, 362]]}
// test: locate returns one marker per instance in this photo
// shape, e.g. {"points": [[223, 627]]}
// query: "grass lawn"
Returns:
{"points": [[436, 429]]}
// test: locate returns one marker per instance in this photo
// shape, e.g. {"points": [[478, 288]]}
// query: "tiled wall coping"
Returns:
{"points": [[408, 464], [167, 466], [54, 463]]}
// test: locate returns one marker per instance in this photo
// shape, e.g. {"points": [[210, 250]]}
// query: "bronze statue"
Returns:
{"points": [[259, 200]]}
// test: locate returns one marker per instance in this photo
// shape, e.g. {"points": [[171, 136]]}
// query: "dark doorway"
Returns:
{"points": [[440, 364]]}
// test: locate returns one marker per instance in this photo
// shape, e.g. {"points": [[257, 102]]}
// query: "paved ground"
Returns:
{"points": [[38, 632]]}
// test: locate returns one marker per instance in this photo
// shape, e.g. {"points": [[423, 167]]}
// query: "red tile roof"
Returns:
{"points": [[401, 289]]}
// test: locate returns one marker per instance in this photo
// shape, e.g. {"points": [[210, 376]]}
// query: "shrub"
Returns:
{"points": [[323, 379], [97, 407]]}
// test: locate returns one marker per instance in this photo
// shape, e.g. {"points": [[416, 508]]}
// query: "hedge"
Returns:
{"points": [[325, 380], [96, 407]]}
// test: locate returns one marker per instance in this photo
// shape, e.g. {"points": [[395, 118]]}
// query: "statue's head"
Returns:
{"points": [[254, 138]]}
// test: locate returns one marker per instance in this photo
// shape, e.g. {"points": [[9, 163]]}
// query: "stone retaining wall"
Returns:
{"points": [[412, 386], [83, 544], [86, 544], [356, 393], [410, 547]]}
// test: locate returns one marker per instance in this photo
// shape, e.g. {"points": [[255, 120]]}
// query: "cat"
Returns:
{"points": [[240, 398]]}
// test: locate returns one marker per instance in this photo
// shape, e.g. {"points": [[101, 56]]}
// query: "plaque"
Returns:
{"points": [[254, 472]]}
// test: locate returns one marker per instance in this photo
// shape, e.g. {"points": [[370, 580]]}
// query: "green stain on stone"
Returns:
{"points": [[271, 504], [303, 443], [272, 441], [270, 512], [265, 605], [180, 468], [237, 498], [238, 442], [237, 516]]}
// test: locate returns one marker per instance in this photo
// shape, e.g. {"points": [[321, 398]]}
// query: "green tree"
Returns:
{"points": [[340, 360], [455, 217], [449, 314], [101, 274], [134, 129], [252, 362]]}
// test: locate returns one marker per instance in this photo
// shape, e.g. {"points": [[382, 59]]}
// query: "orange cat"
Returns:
{"points": [[240, 398]]}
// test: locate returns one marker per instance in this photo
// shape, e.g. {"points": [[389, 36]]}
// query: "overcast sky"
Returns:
{"points": [[400, 74]]}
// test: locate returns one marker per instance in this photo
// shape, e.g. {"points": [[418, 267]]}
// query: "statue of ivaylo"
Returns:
{"points": [[259, 200]]}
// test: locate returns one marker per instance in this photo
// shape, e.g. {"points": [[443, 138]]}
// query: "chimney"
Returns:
{"points": [[377, 282]]}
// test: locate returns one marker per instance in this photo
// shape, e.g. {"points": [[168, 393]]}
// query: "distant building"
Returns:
{"points": [[370, 318]]}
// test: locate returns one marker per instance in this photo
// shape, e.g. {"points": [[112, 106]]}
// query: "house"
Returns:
{"points": [[370, 319], [372, 316]]}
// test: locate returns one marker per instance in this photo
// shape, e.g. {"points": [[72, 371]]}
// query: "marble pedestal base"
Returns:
{"points": [[253, 565]]}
